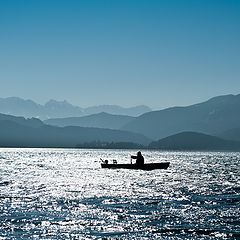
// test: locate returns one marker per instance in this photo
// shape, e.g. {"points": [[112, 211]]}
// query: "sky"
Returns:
{"points": [[159, 53]]}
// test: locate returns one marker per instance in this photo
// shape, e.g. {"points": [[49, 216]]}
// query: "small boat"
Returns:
{"points": [[146, 166]]}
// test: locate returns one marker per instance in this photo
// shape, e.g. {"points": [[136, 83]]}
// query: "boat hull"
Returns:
{"points": [[146, 166]]}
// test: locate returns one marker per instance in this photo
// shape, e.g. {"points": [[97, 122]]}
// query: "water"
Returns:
{"points": [[64, 194]]}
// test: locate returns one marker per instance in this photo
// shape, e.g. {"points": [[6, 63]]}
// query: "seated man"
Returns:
{"points": [[139, 158]]}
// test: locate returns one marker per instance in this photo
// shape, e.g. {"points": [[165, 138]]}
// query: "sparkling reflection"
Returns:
{"points": [[64, 194]]}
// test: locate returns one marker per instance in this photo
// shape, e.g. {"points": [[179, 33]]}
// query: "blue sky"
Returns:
{"points": [[128, 52]]}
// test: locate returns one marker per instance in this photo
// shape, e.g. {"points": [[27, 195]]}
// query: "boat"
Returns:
{"points": [[146, 166]]}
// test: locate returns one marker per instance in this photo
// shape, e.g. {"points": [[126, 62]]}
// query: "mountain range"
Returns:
{"points": [[215, 122], [219, 116], [215, 116], [60, 109], [21, 132]]}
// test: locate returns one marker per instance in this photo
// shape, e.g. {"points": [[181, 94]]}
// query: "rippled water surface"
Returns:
{"points": [[64, 194]]}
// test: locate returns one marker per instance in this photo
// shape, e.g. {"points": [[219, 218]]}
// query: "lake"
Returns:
{"points": [[64, 194]]}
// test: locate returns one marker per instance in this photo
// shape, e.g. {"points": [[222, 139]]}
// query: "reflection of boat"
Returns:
{"points": [[146, 166]]}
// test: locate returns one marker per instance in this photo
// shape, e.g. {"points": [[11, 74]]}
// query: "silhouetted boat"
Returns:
{"points": [[146, 166]]}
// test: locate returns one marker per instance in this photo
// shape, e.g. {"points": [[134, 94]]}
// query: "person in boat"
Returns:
{"points": [[139, 158]]}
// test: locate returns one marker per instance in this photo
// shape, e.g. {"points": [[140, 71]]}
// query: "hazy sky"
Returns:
{"points": [[126, 52]]}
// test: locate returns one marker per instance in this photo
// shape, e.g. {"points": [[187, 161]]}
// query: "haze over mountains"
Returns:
{"points": [[20, 132], [60, 109], [218, 116], [215, 116], [99, 120], [214, 124]]}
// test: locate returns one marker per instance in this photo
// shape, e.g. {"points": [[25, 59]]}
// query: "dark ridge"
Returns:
{"points": [[194, 141]]}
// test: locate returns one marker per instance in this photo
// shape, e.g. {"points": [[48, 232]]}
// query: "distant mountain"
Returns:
{"points": [[99, 120], [195, 141], [28, 108], [117, 110], [20, 107], [57, 109], [20, 132], [61, 109], [217, 114]]}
